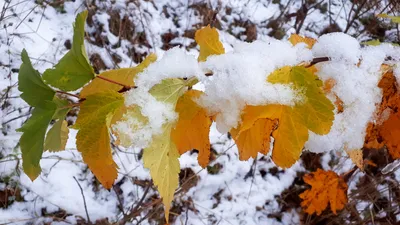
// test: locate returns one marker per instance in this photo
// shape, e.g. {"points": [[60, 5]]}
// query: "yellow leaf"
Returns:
{"points": [[193, 127], [314, 113], [295, 39], [136, 122], [124, 76], [161, 157], [255, 139], [208, 40], [93, 138], [326, 187]]}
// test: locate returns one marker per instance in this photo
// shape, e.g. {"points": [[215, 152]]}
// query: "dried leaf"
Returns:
{"points": [[356, 157], [326, 187], [295, 39], [386, 131]]}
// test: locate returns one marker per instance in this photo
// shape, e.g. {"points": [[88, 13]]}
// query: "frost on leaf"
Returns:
{"points": [[193, 127], [326, 187], [208, 40], [93, 138], [290, 131], [161, 157], [123, 75], [73, 70], [386, 131]]}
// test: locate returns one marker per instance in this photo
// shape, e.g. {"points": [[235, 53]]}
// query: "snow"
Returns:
{"points": [[356, 85], [339, 47], [239, 79]]}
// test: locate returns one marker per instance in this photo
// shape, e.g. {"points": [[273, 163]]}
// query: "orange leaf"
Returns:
{"points": [[295, 39], [328, 85], [386, 131], [390, 132], [193, 127], [93, 138], [326, 187], [289, 136], [255, 139]]}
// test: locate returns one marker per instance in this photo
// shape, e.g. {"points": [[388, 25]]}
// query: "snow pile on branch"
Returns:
{"points": [[239, 78]]}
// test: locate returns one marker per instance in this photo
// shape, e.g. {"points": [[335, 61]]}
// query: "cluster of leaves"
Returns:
{"points": [[101, 105]]}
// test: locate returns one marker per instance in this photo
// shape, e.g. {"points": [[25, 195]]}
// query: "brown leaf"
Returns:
{"points": [[356, 157]]}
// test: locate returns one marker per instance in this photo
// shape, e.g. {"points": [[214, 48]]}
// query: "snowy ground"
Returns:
{"points": [[228, 192]]}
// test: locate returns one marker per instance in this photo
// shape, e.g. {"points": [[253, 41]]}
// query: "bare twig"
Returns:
{"points": [[84, 200]]}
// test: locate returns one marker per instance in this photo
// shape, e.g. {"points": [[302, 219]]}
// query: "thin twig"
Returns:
{"points": [[135, 212], [84, 200]]}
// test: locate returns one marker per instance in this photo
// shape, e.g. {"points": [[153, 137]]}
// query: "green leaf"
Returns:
{"points": [[93, 138], [169, 90], [57, 137], [73, 70], [317, 109], [34, 90], [161, 157], [375, 42], [32, 139], [62, 108]]}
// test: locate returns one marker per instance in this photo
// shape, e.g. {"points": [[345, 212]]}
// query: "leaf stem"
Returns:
{"points": [[114, 82], [66, 93], [318, 60]]}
